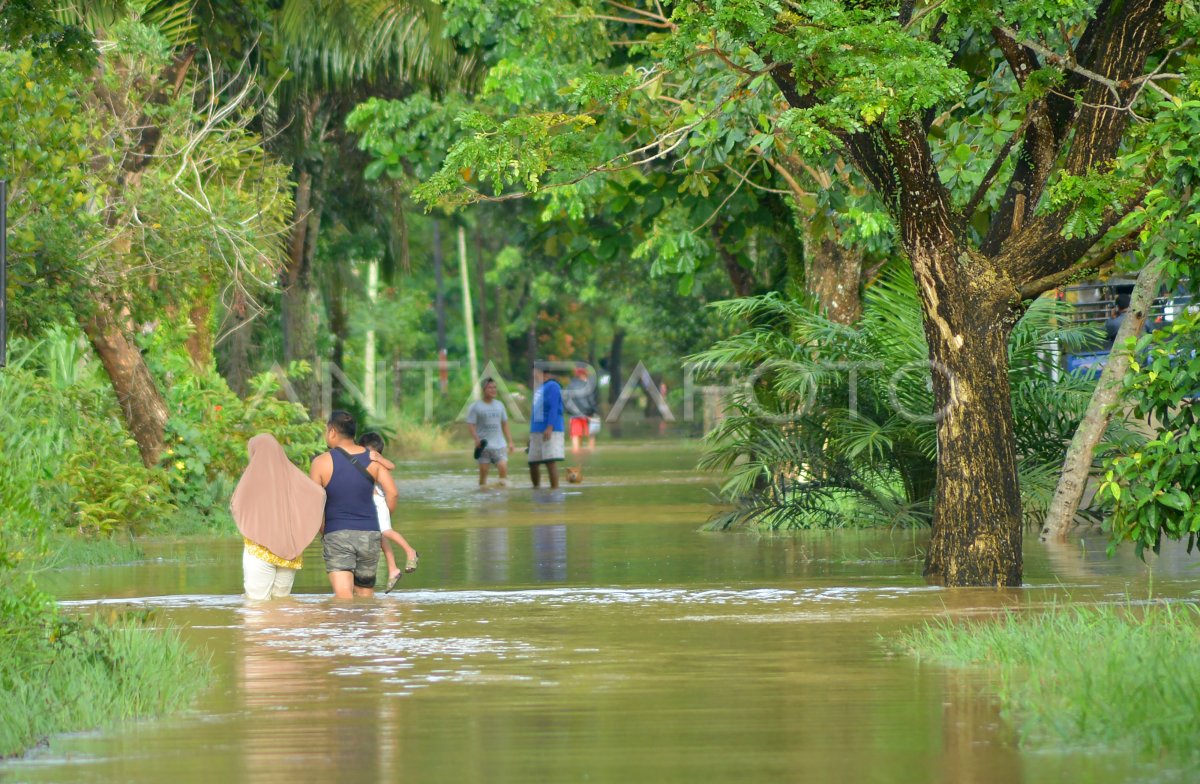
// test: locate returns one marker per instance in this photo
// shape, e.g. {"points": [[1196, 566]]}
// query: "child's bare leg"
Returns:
{"points": [[393, 570], [483, 472], [395, 536], [503, 472]]}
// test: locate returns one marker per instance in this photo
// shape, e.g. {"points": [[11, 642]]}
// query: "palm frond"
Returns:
{"points": [[837, 427], [337, 43]]}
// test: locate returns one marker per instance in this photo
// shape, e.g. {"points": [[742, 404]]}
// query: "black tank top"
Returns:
{"points": [[349, 496]]}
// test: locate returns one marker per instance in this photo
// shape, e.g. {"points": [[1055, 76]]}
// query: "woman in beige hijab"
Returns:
{"points": [[279, 511]]}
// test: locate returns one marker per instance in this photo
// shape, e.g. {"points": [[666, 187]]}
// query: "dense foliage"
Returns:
{"points": [[1152, 486]]}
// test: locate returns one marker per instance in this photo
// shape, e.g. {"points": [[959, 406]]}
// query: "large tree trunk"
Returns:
{"points": [[299, 315], [236, 365], [833, 276], [142, 405], [615, 380], [977, 522], [1078, 462], [199, 344]]}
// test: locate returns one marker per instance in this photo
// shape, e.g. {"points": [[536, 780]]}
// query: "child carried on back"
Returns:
{"points": [[374, 443]]}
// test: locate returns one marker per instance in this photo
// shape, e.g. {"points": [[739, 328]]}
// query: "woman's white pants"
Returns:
{"points": [[265, 581]]}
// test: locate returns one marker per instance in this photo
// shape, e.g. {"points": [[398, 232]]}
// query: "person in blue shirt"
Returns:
{"points": [[545, 426]]}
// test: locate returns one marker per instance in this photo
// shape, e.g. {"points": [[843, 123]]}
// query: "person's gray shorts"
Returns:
{"points": [[353, 551], [543, 450], [495, 456]]}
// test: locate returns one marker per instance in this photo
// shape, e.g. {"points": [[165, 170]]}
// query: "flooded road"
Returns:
{"points": [[589, 635]]}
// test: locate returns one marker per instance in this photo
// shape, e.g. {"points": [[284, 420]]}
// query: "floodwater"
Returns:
{"points": [[589, 635]]}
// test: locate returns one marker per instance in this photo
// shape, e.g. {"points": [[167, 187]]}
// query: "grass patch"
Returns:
{"points": [[67, 550], [1114, 676], [62, 674], [407, 438]]}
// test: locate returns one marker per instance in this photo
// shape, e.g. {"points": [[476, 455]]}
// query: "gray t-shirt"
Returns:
{"points": [[486, 417]]}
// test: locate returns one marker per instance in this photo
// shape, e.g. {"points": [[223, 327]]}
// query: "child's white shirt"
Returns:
{"points": [[381, 510]]}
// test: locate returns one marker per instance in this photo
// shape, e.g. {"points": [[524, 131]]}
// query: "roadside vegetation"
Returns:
{"points": [[61, 672]]}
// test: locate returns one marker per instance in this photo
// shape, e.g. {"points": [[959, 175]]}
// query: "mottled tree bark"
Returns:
{"points": [[977, 523], [235, 366], [199, 344], [833, 276]]}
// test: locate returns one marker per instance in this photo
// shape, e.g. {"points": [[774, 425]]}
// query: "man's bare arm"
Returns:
{"points": [[474, 432], [383, 461], [319, 471]]}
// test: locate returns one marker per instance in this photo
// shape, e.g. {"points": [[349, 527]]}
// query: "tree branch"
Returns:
{"points": [[1094, 263], [1020, 59]]}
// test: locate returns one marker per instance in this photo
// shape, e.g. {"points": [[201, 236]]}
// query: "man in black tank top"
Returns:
{"points": [[351, 540]]}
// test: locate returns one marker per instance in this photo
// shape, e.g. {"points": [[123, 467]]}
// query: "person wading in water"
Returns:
{"points": [[351, 540]]}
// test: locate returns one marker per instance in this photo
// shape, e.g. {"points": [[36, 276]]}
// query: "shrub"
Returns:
{"points": [[70, 462]]}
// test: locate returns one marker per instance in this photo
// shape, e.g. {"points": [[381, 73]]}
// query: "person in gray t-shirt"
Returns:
{"points": [[488, 422]]}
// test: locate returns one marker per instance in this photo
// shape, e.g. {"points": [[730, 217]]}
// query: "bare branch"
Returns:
{"points": [[660, 19], [1092, 263], [1063, 62], [797, 191], [732, 193]]}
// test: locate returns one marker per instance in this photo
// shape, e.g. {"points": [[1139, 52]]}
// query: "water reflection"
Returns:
{"points": [[550, 553], [487, 555]]}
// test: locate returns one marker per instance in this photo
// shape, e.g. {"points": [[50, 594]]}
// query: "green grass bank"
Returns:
{"points": [[60, 673], [1115, 676]]}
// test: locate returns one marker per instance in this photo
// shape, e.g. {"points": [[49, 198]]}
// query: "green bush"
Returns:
{"points": [[1151, 486], [70, 462], [209, 426]]}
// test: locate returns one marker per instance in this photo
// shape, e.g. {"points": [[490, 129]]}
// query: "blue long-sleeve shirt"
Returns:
{"points": [[547, 408]]}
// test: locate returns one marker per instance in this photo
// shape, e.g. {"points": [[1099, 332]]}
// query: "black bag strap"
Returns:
{"points": [[361, 469]]}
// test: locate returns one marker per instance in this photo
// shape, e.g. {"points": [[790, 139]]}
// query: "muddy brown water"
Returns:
{"points": [[589, 635]]}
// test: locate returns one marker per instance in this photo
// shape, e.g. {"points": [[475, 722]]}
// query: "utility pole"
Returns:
{"points": [[468, 311], [369, 381], [443, 379]]}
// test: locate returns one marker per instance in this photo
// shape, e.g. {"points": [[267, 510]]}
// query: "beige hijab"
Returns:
{"points": [[275, 504]]}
